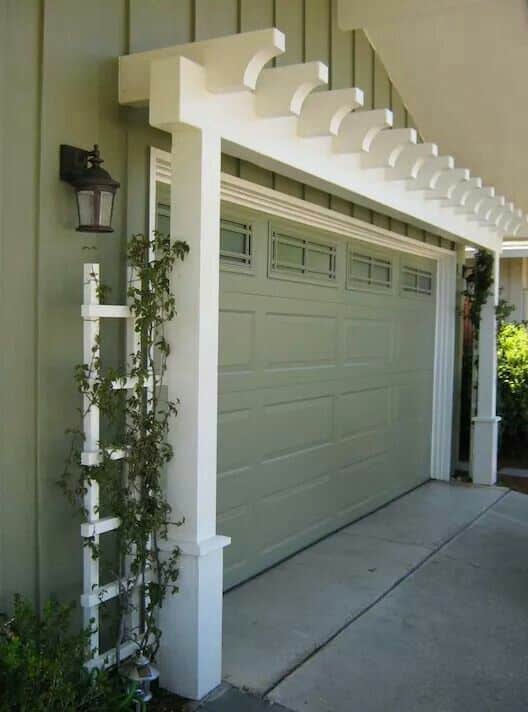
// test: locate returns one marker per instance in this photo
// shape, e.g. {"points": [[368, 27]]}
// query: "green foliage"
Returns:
{"points": [[503, 310], [512, 371], [137, 422], [480, 282], [42, 666]]}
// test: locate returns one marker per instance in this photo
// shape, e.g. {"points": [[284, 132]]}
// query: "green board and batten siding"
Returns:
{"points": [[58, 78]]}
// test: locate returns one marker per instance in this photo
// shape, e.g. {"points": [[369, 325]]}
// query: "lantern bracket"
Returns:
{"points": [[73, 162]]}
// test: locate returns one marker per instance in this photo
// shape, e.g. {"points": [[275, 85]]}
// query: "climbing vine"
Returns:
{"points": [[479, 283], [135, 420]]}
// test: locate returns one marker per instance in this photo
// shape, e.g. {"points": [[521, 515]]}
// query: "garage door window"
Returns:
{"points": [[368, 272], [235, 243], [417, 281], [302, 259]]}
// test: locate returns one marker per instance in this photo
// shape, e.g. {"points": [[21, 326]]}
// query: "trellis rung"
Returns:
{"points": [[130, 382], [101, 594], [126, 383], [105, 311], [92, 458], [100, 526]]}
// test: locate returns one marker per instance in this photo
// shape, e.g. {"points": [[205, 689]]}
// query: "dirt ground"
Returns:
{"points": [[519, 484], [166, 702]]}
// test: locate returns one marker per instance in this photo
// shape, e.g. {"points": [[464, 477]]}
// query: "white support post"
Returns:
{"points": [[486, 422], [191, 620]]}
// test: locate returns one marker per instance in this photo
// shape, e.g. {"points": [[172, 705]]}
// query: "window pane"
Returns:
{"points": [[86, 205], [424, 284], [163, 219], [235, 242], [360, 270], [417, 280], [319, 262], [409, 279], [368, 271], [381, 274], [105, 208], [232, 241], [306, 258], [289, 254]]}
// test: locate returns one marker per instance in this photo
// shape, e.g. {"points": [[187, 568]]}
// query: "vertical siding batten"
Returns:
{"points": [[20, 34]]}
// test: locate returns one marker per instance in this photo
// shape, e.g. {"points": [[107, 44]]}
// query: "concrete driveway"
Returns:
{"points": [[420, 607]]}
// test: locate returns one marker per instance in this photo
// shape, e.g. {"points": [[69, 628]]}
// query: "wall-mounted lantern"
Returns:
{"points": [[95, 189]]}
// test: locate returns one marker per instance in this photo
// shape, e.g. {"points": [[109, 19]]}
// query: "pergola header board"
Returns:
{"points": [[273, 117]]}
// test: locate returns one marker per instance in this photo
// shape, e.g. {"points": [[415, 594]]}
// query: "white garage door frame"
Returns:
{"points": [[239, 192]]}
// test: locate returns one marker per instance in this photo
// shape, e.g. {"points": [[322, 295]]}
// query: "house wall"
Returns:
{"points": [[58, 76], [514, 285]]}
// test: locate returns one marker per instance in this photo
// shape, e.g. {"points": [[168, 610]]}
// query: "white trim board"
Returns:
{"points": [[237, 191], [517, 248], [257, 197]]}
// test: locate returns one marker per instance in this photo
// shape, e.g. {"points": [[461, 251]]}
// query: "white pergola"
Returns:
{"points": [[218, 95]]}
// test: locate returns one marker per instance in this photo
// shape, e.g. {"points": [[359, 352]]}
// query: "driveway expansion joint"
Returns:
{"points": [[378, 599]]}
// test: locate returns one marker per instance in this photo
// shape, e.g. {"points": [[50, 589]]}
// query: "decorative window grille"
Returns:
{"points": [[366, 271], [301, 258], [163, 218], [236, 242], [95, 593], [417, 281]]}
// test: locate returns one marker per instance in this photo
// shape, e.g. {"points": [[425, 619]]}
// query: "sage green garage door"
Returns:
{"points": [[325, 384]]}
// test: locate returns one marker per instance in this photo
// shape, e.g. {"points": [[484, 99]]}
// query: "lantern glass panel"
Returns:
{"points": [[105, 208], [86, 206]]}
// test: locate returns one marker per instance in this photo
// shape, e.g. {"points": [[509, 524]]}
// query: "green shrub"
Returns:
{"points": [[41, 666], [512, 367]]}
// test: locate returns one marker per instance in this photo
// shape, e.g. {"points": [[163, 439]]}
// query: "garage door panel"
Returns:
{"points": [[363, 411], [286, 288], [356, 483], [236, 430], [413, 398], [237, 523], [289, 514], [365, 378], [303, 376], [235, 488], [300, 340], [237, 347], [289, 471], [295, 425], [369, 341], [412, 445], [362, 446], [412, 352]]}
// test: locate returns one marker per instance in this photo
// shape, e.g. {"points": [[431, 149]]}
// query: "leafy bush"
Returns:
{"points": [[42, 666], [512, 366]]}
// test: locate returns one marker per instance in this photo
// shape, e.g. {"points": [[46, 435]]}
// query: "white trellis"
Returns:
{"points": [[94, 593]]}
